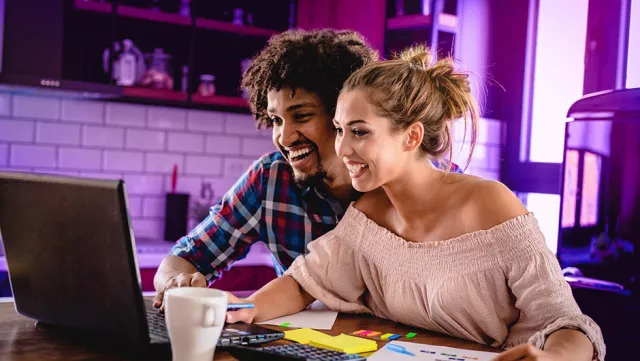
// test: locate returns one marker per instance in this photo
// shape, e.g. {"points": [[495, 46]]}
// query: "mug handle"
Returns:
{"points": [[209, 317]]}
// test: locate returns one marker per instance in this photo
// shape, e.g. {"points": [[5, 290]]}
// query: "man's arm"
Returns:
{"points": [[175, 271], [224, 236]]}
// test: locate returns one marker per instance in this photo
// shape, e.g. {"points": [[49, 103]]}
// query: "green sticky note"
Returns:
{"points": [[286, 324], [411, 335]]}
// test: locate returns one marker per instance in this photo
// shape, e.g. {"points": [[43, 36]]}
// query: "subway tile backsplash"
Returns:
{"points": [[141, 144]]}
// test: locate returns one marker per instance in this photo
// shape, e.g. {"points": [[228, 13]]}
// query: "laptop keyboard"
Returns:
{"points": [[157, 325], [158, 330]]}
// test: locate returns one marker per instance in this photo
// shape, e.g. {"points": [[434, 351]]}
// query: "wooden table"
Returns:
{"points": [[23, 339]]}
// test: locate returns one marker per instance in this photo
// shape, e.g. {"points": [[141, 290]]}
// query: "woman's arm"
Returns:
{"points": [[562, 345], [549, 317], [280, 297], [567, 344]]}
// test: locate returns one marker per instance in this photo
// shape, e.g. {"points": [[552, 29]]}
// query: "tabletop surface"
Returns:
{"points": [[22, 338]]}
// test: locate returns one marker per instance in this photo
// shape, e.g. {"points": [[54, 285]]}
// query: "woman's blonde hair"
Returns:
{"points": [[409, 89]]}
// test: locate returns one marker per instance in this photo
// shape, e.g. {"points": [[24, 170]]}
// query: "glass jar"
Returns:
{"points": [[158, 74], [207, 85]]}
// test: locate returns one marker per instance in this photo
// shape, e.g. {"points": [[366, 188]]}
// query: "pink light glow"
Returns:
{"points": [[590, 190], [570, 189]]}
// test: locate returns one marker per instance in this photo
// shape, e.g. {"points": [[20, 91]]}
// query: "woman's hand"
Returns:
{"points": [[245, 315], [527, 352]]}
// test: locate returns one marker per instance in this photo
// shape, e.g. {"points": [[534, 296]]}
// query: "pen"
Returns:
{"points": [[399, 349], [239, 306]]}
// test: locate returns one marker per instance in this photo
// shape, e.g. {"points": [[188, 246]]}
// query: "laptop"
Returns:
{"points": [[72, 260]]}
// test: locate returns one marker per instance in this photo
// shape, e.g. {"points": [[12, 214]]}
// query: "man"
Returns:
{"points": [[294, 195]]}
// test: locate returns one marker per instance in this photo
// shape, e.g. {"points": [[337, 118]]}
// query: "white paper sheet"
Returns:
{"points": [[316, 316], [384, 354]]}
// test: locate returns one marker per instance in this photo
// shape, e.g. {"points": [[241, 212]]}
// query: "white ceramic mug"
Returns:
{"points": [[195, 317]]}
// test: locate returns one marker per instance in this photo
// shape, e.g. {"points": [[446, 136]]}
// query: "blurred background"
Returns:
{"points": [[148, 91]]}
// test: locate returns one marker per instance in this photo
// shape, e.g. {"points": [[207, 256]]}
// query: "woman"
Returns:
{"points": [[451, 253]]}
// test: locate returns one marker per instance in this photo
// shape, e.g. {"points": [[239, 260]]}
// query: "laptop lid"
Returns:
{"points": [[70, 253]]}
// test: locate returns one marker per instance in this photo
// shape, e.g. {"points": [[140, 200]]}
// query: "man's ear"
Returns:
{"points": [[413, 136]]}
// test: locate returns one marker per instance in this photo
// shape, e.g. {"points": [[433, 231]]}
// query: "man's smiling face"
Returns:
{"points": [[303, 132]]}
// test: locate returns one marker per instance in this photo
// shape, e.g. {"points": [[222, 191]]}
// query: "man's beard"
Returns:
{"points": [[311, 180]]}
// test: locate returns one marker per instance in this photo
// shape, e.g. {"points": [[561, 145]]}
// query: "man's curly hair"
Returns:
{"points": [[318, 61]]}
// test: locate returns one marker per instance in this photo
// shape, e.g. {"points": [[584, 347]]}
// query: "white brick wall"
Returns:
{"points": [[36, 107], [16, 130], [82, 111], [223, 144], [102, 137], [4, 155], [153, 207], [206, 122], [5, 104], [167, 118], [53, 133], [128, 115], [144, 184], [203, 165], [186, 142], [163, 162], [33, 156], [140, 144], [123, 161], [257, 147], [78, 158], [145, 139], [135, 205]]}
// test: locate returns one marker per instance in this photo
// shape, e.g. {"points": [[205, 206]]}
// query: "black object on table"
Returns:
{"points": [[176, 215], [291, 352]]}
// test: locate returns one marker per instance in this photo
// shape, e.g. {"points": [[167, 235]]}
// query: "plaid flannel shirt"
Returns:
{"points": [[264, 205]]}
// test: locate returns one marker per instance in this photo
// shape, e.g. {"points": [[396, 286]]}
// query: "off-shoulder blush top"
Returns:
{"points": [[500, 287]]}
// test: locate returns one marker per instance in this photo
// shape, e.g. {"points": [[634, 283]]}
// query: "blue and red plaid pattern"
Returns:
{"points": [[264, 205]]}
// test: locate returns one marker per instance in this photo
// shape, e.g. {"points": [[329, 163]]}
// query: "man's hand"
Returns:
{"points": [[181, 280], [526, 352], [245, 315]]}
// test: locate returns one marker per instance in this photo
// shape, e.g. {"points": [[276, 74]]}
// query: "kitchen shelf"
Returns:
{"points": [[179, 97], [154, 94], [220, 100], [162, 17], [446, 22], [231, 28]]}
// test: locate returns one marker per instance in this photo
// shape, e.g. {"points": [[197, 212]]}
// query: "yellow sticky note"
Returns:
{"points": [[386, 336], [304, 335], [346, 343]]}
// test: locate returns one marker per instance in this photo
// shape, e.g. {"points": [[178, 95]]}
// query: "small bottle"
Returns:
{"points": [[127, 64], [207, 86]]}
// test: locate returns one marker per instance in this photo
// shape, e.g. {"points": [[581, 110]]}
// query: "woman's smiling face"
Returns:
{"points": [[374, 152]]}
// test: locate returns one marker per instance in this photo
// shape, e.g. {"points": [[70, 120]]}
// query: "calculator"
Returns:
{"points": [[291, 352]]}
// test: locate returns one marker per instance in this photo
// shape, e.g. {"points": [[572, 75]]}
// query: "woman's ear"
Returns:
{"points": [[413, 136]]}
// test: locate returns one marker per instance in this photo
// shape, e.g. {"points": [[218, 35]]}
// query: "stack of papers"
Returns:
{"points": [[424, 352], [313, 318]]}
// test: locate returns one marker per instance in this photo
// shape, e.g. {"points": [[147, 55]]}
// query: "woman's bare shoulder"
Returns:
{"points": [[491, 203]]}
